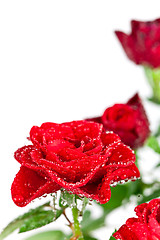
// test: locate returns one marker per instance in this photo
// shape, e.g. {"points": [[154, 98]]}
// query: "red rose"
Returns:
{"points": [[128, 120], [77, 156], [142, 46], [145, 227]]}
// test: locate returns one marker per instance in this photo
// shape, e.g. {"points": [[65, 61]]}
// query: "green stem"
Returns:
{"points": [[77, 233], [153, 76]]}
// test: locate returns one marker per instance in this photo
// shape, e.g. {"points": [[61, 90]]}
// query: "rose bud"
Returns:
{"points": [[128, 120], [142, 46], [77, 156], [145, 227]]}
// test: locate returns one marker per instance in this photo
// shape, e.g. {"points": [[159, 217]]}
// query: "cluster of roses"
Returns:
{"points": [[86, 157], [83, 157]]}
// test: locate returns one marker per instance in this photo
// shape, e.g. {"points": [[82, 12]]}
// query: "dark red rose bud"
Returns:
{"points": [[128, 120], [77, 156], [145, 227], [142, 45]]}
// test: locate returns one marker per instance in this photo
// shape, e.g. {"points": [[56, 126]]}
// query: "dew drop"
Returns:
{"points": [[18, 198], [114, 184]]}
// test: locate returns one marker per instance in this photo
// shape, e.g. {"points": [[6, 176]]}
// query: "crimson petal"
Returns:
{"points": [[28, 185], [82, 129], [128, 46], [125, 233], [109, 138], [122, 155], [24, 154], [51, 131]]}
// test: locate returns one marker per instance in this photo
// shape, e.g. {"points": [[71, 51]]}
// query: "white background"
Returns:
{"points": [[60, 61]]}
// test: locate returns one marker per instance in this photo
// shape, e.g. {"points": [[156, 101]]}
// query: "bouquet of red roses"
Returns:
{"points": [[95, 161]]}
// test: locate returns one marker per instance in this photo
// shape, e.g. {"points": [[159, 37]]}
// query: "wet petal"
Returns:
{"points": [[154, 227], [114, 177], [109, 138], [49, 131], [125, 233], [82, 129], [146, 226], [121, 155], [90, 191], [24, 154], [104, 192], [28, 185]]}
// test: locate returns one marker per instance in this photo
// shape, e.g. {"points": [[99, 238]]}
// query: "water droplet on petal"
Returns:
{"points": [[18, 198]]}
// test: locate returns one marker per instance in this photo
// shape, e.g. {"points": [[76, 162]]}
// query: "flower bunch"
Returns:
{"points": [[82, 161], [77, 156]]}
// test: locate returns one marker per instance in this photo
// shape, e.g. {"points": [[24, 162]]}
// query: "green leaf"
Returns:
{"points": [[153, 143], [40, 219], [112, 238], [154, 194], [33, 219], [10, 228], [88, 224], [51, 235], [31, 212]]}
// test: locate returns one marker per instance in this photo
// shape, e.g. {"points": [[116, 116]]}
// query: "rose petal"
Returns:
{"points": [[104, 192], [128, 46], [139, 228], [122, 156], [23, 155], [84, 180], [109, 138], [154, 227], [90, 190], [29, 185], [82, 129], [128, 173], [49, 131], [124, 233], [141, 212]]}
